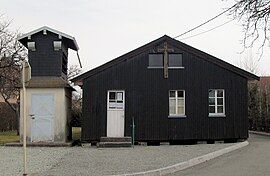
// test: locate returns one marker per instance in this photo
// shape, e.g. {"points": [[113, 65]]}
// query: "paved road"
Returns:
{"points": [[253, 160]]}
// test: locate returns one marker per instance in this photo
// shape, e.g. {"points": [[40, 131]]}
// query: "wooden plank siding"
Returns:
{"points": [[146, 99], [45, 61]]}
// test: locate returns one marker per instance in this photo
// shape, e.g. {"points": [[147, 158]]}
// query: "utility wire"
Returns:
{"points": [[207, 30], [206, 21]]}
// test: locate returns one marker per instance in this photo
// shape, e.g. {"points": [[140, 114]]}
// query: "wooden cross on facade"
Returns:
{"points": [[165, 49]]}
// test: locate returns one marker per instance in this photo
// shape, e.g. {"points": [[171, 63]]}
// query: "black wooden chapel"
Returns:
{"points": [[173, 91]]}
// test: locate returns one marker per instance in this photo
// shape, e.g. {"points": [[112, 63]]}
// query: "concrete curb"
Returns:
{"points": [[192, 162], [259, 133]]}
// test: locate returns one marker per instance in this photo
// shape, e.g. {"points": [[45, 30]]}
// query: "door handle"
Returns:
{"points": [[32, 116]]}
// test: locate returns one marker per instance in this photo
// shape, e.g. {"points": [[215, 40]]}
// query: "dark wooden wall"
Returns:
{"points": [[45, 61], [147, 101]]}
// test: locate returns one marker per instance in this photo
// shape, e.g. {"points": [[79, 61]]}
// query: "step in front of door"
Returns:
{"points": [[113, 144], [115, 139]]}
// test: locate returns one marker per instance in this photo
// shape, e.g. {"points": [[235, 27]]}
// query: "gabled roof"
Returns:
{"points": [[174, 43], [71, 40]]}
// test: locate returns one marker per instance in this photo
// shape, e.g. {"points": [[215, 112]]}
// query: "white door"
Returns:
{"points": [[42, 115], [115, 113]]}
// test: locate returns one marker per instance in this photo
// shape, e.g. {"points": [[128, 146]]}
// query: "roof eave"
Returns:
{"points": [[231, 68], [76, 48]]}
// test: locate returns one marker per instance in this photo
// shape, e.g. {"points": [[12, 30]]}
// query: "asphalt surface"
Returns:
{"points": [[252, 160]]}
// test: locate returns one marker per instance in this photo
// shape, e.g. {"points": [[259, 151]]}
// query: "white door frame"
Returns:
{"points": [[32, 113], [116, 107]]}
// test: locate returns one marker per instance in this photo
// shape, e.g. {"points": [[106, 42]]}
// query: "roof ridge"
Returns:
{"points": [[177, 44]]}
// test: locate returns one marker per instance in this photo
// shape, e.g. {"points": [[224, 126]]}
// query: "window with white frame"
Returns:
{"points": [[176, 102], [216, 102]]}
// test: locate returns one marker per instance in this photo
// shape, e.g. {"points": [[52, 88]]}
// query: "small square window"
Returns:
{"points": [[112, 96], [211, 109], [220, 109], [175, 60], [219, 101], [181, 94], [211, 93], [172, 94], [31, 46], [119, 96], [211, 101], [156, 60], [219, 93], [57, 45]]}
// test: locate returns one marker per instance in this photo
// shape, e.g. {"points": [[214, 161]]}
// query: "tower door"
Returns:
{"points": [[42, 115], [115, 113]]}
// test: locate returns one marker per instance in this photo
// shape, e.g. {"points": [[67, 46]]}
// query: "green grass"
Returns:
{"points": [[8, 136], [11, 136], [76, 133]]}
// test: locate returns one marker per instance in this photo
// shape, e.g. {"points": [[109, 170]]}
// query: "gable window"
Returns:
{"points": [[155, 61], [175, 60], [216, 102], [176, 102]]}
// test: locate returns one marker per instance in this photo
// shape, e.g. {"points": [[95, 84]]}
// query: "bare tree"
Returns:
{"points": [[76, 110], [73, 71], [11, 53], [249, 63], [254, 15]]}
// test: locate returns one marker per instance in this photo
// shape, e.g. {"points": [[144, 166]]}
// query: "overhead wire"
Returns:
{"points": [[208, 30], [211, 19]]}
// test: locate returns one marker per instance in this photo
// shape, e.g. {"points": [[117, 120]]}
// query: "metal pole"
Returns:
{"points": [[24, 118], [133, 132]]}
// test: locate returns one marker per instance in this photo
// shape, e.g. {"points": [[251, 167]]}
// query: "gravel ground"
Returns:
{"points": [[93, 161], [39, 159]]}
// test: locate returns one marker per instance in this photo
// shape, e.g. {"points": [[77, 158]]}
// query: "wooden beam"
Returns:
{"points": [[165, 49]]}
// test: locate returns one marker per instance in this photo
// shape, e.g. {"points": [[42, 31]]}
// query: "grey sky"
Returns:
{"points": [[107, 29]]}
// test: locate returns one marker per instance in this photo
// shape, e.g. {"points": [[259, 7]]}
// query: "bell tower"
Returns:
{"points": [[48, 51], [48, 93]]}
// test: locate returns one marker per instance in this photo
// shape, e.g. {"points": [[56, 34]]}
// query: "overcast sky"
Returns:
{"points": [[105, 30]]}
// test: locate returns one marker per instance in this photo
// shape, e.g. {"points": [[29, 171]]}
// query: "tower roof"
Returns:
{"points": [[71, 42]]}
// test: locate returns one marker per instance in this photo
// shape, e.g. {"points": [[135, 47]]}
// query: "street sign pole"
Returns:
{"points": [[24, 119]]}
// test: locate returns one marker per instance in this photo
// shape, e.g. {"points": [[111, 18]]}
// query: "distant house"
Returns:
{"points": [[173, 92]]}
